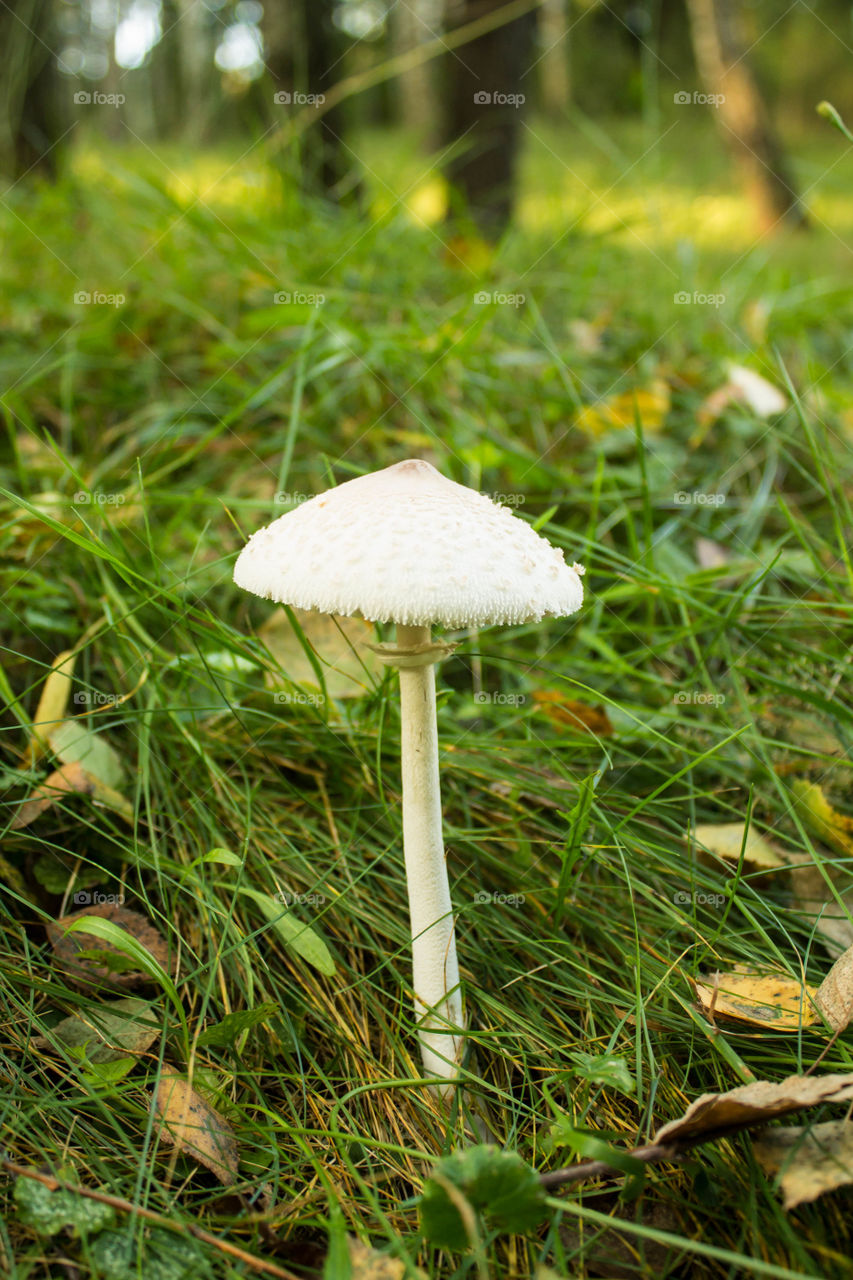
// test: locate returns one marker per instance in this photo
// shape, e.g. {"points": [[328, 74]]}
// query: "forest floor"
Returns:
{"points": [[187, 351]]}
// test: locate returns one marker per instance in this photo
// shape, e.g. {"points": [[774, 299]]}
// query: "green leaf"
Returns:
{"points": [[106, 1033], [54, 874], [300, 937], [606, 1069], [75, 743], [50, 1212], [499, 1187], [159, 1255], [234, 1024]]}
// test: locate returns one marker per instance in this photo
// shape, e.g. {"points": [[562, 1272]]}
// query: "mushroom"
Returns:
{"points": [[406, 545]]}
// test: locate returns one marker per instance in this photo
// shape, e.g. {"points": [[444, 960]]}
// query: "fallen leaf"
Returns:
{"points": [[726, 839], [108, 1032], [53, 702], [580, 715], [586, 335], [619, 412], [834, 996], [349, 668], [69, 779], [813, 899], [754, 1103], [832, 827], [762, 396], [68, 946], [764, 1000], [189, 1122], [809, 1160], [49, 1212], [710, 554], [371, 1264], [76, 743]]}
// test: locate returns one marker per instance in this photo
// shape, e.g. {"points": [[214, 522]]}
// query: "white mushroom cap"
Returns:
{"points": [[407, 545]]}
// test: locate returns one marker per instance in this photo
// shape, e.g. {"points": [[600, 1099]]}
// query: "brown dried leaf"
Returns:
{"points": [[834, 996], [85, 973], [580, 715], [809, 1160], [66, 780], [763, 1000], [755, 1103], [189, 1122]]}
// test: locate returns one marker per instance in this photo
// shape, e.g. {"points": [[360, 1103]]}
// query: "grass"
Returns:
{"points": [[178, 416]]}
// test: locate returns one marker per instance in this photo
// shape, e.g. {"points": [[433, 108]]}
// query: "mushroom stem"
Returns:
{"points": [[438, 999]]}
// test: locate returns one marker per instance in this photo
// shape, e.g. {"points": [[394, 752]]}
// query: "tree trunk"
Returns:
{"points": [[720, 51], [415, 95], [554, 78], [35, 103], [485, 97]]}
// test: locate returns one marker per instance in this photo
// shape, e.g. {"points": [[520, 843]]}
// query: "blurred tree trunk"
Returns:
{"points": [[414, 89], [482, 75], [35, 102], [167, 73], [721, 51], [554, 79], [304, 53], [196, 60]]}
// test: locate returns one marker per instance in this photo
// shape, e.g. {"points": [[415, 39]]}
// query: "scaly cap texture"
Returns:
{"points": [[407, 545]]}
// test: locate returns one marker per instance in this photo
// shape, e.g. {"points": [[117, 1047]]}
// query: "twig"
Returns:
{"points": [[651, 1153], [126, 1206]]}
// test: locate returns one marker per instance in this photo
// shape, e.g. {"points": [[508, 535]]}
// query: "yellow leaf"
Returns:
{"points": [[763, 1000], [809, 1161], [349, 668], [619, 412], [53, 701], [831, 826], [726, 839]]}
